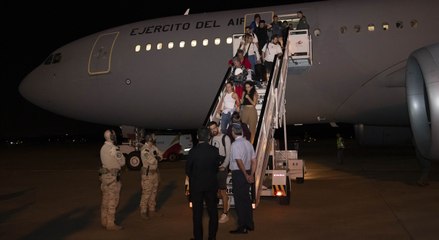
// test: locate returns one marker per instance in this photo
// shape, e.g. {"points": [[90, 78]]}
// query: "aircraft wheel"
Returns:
{"points": [[133, 161], [173, 157]]}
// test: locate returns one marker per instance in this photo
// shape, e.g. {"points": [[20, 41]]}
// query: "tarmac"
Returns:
{"points": [[51, 191]]}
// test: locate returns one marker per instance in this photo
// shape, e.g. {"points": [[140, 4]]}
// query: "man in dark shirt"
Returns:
{"points": [[262, 34], [303, 23], [202, 168]]}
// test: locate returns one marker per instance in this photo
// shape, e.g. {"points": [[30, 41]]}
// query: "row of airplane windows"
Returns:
{"points": [[182, 44], [217, 41], [384, 26]]}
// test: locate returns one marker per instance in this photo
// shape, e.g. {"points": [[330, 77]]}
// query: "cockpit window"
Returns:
{"points": [[56, 58], [414, 23], [53, 58], [343, 29], [48, 59]]}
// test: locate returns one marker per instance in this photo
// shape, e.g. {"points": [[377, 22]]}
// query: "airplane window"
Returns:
{"points": [[182, 43], [386, 26], [148, 47], [171, 45], [399, 24], [229, 40], [48, 59], [317, 32], [159, 46], [205, 42], [343, 29], [371, 27], [194, 43], [217, 41], [137, 48], [414, 23], [56, 58], [357, 28]]}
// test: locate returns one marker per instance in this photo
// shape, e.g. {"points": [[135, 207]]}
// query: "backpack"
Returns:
{"points": [[223, 140], [240, 78]]}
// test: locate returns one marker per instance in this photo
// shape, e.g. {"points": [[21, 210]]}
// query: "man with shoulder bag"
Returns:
{"points": [[223, 143]]}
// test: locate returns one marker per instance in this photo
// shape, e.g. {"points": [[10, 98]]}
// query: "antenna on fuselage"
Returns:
{"points": [[187, 11]]}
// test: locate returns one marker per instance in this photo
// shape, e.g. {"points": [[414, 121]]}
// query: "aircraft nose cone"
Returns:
{"points": [[34, 89], [25, 88]]}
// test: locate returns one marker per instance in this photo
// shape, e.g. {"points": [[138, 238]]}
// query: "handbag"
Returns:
{"points": [[246, 52]]}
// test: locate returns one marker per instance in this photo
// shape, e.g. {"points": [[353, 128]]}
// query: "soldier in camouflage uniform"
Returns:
{"points": [[112, 160], [150, 178]]}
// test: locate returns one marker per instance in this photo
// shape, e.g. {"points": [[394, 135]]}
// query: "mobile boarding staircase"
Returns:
{"points": [[274, 168]]}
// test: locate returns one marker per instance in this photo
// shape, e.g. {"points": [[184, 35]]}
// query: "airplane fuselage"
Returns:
{"points": [[357, 77]]}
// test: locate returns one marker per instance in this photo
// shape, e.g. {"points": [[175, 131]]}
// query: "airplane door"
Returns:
{"points": [[100, 55], [266, 16], [248, 18], [237, 38]]}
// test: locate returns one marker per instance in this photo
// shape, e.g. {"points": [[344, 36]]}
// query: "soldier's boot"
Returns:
{"points": [[114, 227], [154, 214], [104, 221], [104, 218], [111, 225], [144, 214]]}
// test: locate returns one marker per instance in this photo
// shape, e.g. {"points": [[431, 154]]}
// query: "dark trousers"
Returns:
{"points": [[340, 155], [243, 202], [198, 199]]}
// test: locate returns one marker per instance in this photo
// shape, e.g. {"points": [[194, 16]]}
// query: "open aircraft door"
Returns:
{"points": [[237, 39], [266, 16]]}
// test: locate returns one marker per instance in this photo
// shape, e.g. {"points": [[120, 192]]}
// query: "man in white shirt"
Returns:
{"points": [[270, 51]]}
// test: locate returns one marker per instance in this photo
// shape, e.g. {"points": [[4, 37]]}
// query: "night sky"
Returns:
{"points": [[36, 28]]}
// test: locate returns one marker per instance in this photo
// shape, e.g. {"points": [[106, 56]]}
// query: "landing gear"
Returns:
{"points": [[133, 160]]}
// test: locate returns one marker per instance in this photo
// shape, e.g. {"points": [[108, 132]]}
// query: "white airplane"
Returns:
{"points": [[375, 64]]}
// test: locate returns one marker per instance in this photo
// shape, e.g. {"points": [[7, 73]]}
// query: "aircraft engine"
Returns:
{"points": [[422, 84]]}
